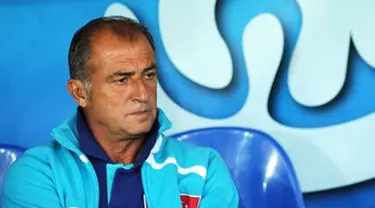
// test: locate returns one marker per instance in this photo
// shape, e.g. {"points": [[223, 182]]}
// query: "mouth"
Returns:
{"points": [[141, 112]]}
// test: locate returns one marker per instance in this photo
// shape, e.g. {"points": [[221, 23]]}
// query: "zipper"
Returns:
{"points": [[144, 169], [144, 184], [70, 146], [92, 173]]}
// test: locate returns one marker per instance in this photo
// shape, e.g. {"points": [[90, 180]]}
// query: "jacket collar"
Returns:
{"points": [[67, 133]]}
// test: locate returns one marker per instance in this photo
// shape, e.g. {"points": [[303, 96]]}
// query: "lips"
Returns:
{"points": [[139, 112]]}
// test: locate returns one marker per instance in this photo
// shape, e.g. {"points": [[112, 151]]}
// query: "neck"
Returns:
{"points": [[123, 151], [119, 148]]}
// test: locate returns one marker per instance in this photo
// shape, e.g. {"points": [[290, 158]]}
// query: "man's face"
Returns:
{"points": [[123, 85]]}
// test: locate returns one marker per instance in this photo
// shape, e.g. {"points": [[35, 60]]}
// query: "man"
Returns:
{"points": [[112, 152]]}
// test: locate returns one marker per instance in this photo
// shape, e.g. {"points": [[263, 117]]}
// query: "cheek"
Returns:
{"points": [[105, 98], [152, 92]]}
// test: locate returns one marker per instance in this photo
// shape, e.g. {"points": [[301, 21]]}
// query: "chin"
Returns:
{"points": [[139, 124], [140, 129]]}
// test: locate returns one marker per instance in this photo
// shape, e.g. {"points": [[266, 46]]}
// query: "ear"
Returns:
{"points": [[78, 91]]}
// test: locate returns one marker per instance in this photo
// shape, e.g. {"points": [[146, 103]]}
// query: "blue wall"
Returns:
{"points": [[325, 125]]}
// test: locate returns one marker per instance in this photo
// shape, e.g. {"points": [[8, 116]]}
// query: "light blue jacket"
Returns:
{"points": [[60, 175]]}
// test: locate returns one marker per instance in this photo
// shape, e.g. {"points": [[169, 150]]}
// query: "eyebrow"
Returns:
{"points": [[128, 73]]}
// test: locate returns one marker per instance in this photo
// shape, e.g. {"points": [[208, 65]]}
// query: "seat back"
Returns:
{"points": [[260, 168], [8, 154]]}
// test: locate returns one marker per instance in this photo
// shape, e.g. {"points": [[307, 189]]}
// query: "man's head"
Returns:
{"points": [[113, 75]]}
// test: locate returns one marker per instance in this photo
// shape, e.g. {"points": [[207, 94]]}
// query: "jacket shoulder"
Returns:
{"points": [[36, 156], [30, 177], [188, 153]]}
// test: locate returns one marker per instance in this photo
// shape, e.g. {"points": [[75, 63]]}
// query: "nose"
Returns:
{"points": [[140, 91]]}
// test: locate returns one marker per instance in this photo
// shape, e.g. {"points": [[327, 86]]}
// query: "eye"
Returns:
{"points": [[150, 75], [122, 81]]}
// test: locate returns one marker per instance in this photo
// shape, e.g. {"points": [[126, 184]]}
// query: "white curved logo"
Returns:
{"points": [[324, 157]]}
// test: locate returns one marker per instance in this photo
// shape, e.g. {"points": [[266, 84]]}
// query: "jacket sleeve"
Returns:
{"points": [[219, 190], [28, 184]]}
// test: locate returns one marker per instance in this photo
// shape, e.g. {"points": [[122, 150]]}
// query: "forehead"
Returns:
{"points": [[109, 51]]}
